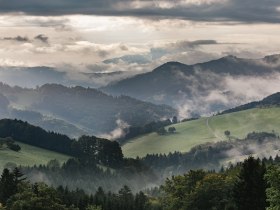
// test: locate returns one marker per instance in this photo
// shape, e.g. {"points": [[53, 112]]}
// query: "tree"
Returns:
{"points": [[273, 191], [53, 164], [14, 147], [94, 208], [227, 134], [99, 197], [212, 192], [178, 189], [141, 201], [249, 189], [7, 186], [174, 120], [171, 130], [45, 198], [18, 176], [126, 198], [161, 131]]}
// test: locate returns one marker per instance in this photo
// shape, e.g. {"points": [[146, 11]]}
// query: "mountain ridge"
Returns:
{"points": [[88, 108], [179, 85]]}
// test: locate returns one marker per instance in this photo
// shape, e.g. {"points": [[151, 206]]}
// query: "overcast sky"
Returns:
{"points": [[129, 35]]}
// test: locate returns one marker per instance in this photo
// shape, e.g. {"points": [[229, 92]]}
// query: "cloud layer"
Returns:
{"points": [[251, 11]]}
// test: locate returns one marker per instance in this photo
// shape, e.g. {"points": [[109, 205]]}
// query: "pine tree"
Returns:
{"points": [[18, 176], [249, 189], [7, 186]]}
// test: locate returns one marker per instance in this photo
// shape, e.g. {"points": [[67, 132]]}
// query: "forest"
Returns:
{"points": [[251, 184]]}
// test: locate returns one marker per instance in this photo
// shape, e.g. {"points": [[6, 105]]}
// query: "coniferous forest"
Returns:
{"points": [[251, 184]]}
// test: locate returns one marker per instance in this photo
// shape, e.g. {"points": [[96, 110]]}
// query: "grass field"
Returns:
{"points": [[29, 156], [204, 130]]}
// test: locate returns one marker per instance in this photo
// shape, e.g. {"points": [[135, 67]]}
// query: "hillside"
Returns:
{"points": [[83, 109], [272, 100], [204, 130], [29, 156], [204, 87]]}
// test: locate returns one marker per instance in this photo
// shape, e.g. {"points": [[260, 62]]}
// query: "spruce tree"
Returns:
{"points": [[7, 186], [249, 189]]}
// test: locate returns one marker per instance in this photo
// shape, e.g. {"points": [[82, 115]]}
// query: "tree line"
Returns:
{"points": [[249, 185], [16, 193], [94, 149], [252, 184]]}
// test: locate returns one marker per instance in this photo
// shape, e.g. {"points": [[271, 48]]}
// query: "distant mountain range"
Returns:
{"points": [[77, 110], [213, 83], [31, 77], [190, 89]]}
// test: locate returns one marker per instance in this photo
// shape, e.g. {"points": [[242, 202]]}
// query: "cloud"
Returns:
{"points": [[140, 59], [166, 51], [41, 37], [118, 132], [17, 38], [268, 147], [192, 44], [249, 11], [206, 92]]}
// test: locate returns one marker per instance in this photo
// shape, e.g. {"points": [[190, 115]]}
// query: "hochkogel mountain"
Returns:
{"points": [[205, 84], [78, 107]]}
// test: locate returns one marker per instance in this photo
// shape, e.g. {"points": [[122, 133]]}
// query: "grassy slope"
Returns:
{"points": [[29, 156], [196, 132]]}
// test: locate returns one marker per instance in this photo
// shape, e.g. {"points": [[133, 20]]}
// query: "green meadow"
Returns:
{"points": [[29, 156], [192, 133]]}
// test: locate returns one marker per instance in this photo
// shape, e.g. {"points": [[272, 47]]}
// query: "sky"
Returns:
{"points": [[134, 35]]}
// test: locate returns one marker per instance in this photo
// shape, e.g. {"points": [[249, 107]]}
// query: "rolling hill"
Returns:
{"points": [[204, 130], [78, 109], [29, 156]]}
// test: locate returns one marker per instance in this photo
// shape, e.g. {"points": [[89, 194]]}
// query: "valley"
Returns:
{"points": [[140, 105]]}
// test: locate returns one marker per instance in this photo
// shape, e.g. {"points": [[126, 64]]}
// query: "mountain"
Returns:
{"points": [[203, 87], [31, 77], [88, 109]]}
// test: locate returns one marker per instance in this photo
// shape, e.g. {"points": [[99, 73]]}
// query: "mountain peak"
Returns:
{"points": [[230, 57], [173, 63], [169, 66]]}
